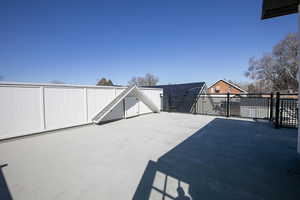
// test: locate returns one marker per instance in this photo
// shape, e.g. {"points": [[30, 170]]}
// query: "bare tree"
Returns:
{"points": [[147, 80], [151, 79], [254, 87], [278, 70], [243, 85], [257, 87], [133, 81]]}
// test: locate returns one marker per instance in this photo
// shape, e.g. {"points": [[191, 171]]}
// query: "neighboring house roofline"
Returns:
{"points": [[233, 85]]}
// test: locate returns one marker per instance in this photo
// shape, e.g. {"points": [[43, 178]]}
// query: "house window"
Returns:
{"points": [[217, 89]]}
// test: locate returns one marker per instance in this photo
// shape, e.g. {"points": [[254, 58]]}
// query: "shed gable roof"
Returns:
{"points": [[181, 89]]}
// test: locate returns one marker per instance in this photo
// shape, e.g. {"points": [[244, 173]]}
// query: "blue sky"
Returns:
{"points": [[78, 42]]}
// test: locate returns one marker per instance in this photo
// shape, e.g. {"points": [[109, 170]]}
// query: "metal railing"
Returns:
{"points": [[286, 111], [281, 109]]}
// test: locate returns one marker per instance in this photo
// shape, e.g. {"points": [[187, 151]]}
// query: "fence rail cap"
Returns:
{"points": [[25, 84]]}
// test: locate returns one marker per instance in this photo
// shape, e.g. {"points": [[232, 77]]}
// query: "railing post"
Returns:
{"points": [[169, 103], [281, 112], [227, 106], [271, 106], [85, 100], [124, 108], [42, 108], [162, 102], [196, 98], [277, 105]]}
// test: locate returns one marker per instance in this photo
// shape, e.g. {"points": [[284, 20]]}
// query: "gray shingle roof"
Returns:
{"points": [[181, 89]]}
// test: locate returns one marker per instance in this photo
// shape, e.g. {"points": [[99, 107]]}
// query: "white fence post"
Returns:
{"points": [[42, 106], [85, 100]]}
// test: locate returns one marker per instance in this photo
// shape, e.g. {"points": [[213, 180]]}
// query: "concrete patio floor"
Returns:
{"points": [[156, 156]]}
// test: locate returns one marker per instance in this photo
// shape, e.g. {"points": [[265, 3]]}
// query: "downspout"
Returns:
{"points": [[298, 75]]}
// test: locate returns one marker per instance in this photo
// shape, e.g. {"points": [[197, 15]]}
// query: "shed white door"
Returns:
{"points": [[131, 107]]}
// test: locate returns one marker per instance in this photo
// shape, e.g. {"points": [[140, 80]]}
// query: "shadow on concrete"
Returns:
{"points": [[4, 190], [226, 159]]}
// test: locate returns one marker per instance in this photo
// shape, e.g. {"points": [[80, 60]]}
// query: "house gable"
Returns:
{"points": [[222, 87]]}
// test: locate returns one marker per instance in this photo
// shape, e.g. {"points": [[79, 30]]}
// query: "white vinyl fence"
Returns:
{"points": [[33, 108]]}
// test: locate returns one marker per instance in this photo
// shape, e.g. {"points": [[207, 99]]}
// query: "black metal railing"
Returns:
{"points": [[286, 110], [281, 109]]}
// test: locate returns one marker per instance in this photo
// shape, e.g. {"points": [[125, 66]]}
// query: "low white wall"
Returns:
{"points": [[32, 108], [98, 99], [64, 107], [20, 110]]}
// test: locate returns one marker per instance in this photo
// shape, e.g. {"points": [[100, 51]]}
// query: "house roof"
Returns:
{"points": [[231, 84]]}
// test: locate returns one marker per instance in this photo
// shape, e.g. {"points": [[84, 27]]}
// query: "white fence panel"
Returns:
{"points": [[97, 99], [119, 91], [20, 110], [64, 107], [32, 108]]}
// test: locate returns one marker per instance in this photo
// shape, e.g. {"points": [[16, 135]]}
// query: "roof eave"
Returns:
{"points": [[270, 10]]}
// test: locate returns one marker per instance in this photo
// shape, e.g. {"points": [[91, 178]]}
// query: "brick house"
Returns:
{"points": [[222, 87]]}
